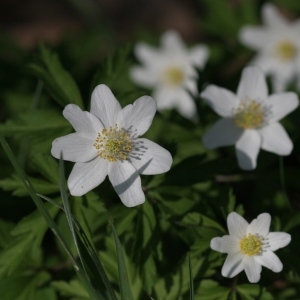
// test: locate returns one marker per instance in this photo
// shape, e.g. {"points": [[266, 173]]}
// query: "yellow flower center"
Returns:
{"points": [[249, 114], [251, 245], [286, 50], [113, 144], [173, 76]]}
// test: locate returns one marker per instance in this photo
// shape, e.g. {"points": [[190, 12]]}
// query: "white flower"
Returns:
{"points": [[278, 46], [250, 118], [171, 72], [106, 143], [250, 246]]}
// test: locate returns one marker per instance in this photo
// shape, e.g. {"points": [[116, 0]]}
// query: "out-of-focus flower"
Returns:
{"points": [[278, 46], [170, 71], [106, 143], [250, 246], [250, 118]]}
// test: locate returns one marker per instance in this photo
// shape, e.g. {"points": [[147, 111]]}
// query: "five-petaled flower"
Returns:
{"points": [[106, 143], [171, 72], [250, 118], [278, 46], [250, 246]]}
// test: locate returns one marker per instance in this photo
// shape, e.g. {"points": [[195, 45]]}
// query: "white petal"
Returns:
{"points": [[74, 147], [233, 265], [281, 105], [279, 82], [260, 225], [247, 149], [137, 117], [185, 104], [179, 98], [198, 55], [86, 176], [149, 158], [82, 121], [252, 84], [278, 240], [272, 17], [164, 97], [171, 41], [252, 268], [126, 182], [254, 37], [222, 101], [225, 244], [104, 105], [275, 139], [270, 260], [143, 76], [222, 133], [146, 54], [237, 225]]}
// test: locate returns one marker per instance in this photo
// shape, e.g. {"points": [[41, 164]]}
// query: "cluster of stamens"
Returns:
{"points": [[113, 144], [249, 114], [251, 245], [286, 50], [173, 76]]}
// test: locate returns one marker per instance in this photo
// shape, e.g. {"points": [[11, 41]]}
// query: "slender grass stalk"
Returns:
{"points": [[87, 261], [125, 289], [40, 205]]}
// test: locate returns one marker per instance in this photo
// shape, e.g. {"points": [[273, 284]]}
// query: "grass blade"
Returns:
{"points": [[94, 272], [40, 205], [125, 289], [92, 253]]}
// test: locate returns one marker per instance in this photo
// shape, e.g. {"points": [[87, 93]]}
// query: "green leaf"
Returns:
{"points": [[252, 291], [5, 237], [113, 67], [26, 238], [15, 185], [40, 205], [73, 288], [33, 122], [23, 287], [57, 80], [191, 278], [196, 169], [125, 289], [197, 219], [93, 271]]}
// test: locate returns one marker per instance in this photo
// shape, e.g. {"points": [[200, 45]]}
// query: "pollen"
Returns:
{"points": [[286, 50], [113, 144], [251, 245], [249, 114], [173, 76]]}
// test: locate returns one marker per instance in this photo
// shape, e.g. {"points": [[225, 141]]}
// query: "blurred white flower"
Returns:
{"points": [[278, 46], [250, 246], [106, 143], [250, 118], [170, 71]]}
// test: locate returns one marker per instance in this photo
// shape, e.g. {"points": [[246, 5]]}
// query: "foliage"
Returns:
{"points": [[92, 247]]}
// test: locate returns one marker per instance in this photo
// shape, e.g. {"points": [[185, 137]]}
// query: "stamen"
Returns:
{"points": [[113, 144], [173, 76], [286, 50], [251, 245], [249, 114]]}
